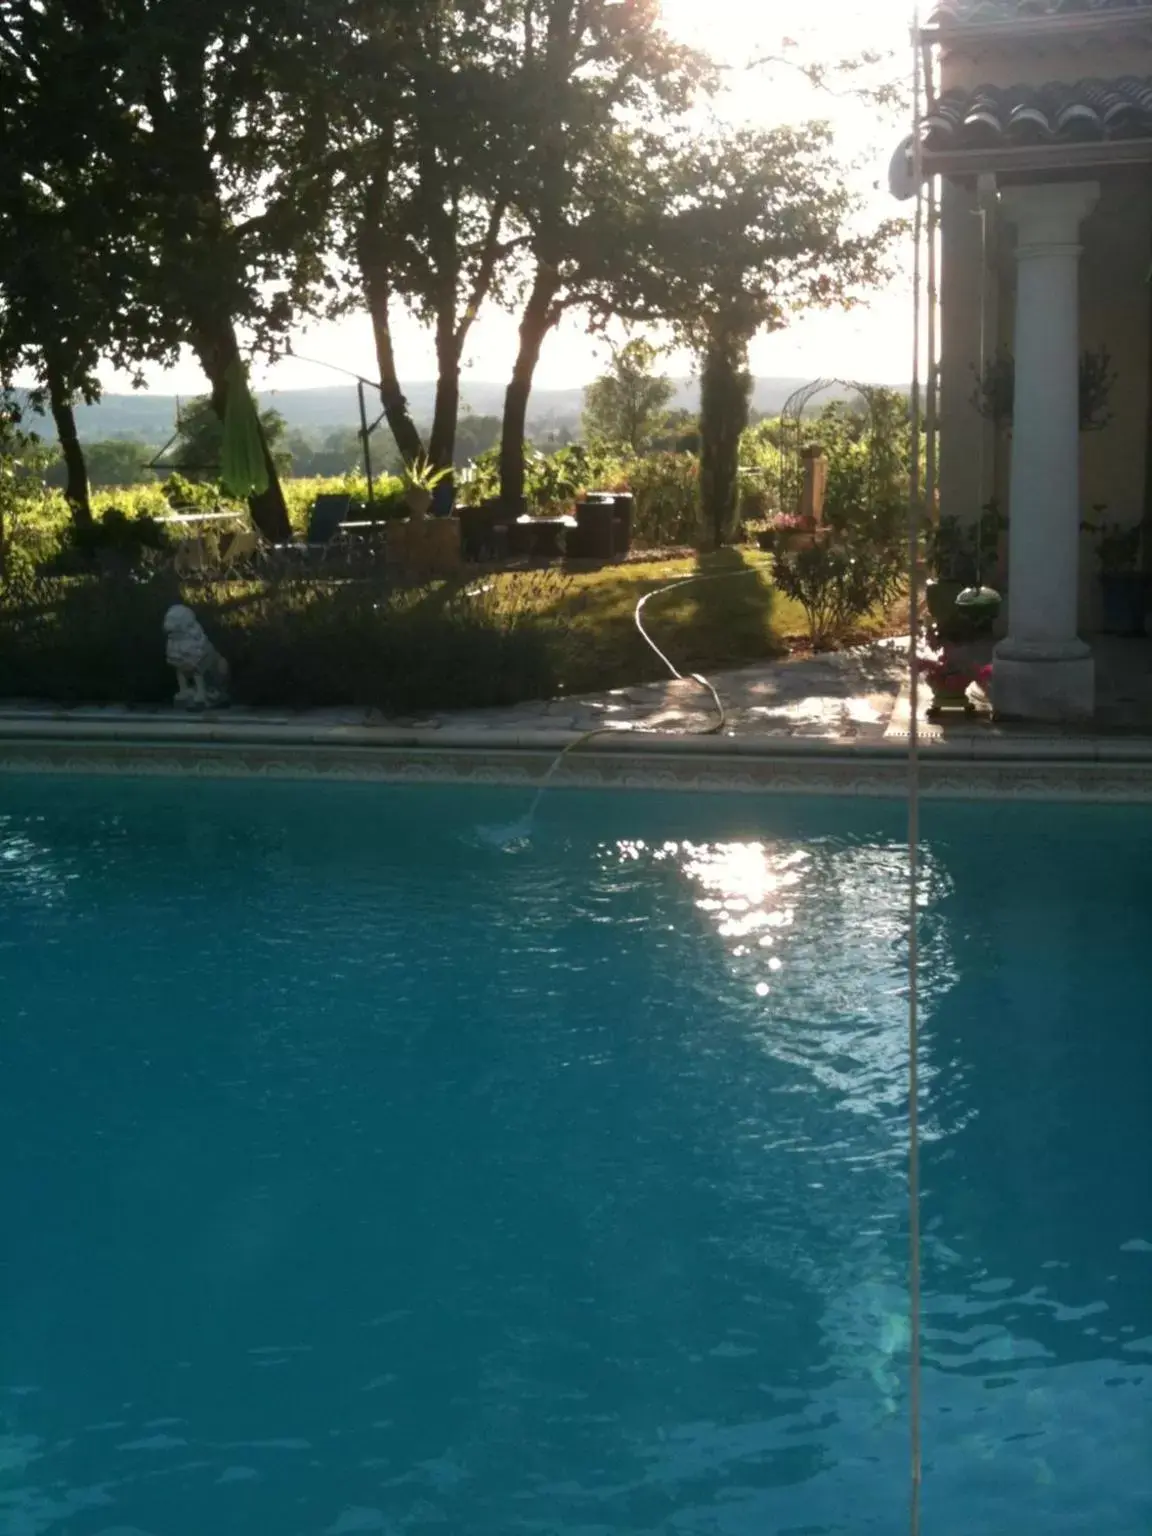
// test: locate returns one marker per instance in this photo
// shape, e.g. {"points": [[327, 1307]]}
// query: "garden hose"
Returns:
{"points": [[695, 677]]}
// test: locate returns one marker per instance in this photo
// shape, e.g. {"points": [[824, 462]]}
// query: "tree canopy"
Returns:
{"points": [[754, 227], [627, 405], [199, 177]]}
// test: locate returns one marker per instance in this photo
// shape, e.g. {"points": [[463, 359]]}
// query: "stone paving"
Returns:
{"points": [[842, 695], [854, 696], [845, 694]]}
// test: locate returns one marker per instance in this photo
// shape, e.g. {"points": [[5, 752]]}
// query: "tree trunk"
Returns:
{"points": [[215, 345], [540, 315], [442, 443], [378, 293], [452, 330], [76, 483], [725, 389]]}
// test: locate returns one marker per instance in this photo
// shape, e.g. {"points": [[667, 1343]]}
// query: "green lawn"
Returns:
{"points": [[312, 637], [733, 617]]}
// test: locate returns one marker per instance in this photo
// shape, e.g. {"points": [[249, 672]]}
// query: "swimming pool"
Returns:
{"points": [[359, 1176]]}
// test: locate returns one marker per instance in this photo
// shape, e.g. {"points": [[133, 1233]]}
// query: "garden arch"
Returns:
{"points": [[792, 435]]}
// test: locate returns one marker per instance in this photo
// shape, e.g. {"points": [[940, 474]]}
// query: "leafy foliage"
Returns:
{"points": [[867, 447], [196, 452], [836, 585], [994, 393], [626, 407], [1117, 546], [114, 461], [965, 551], [115, 538], [752, 228], [23, 501], [666, 492], [292, 642]]}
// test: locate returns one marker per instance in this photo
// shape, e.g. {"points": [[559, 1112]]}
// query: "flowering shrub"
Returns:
{"points": [[836, 587], [946, 673], [666, 489]]}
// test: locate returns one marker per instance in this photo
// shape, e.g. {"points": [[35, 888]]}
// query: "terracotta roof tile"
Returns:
{"points": [[995, 117], [971, 12]]}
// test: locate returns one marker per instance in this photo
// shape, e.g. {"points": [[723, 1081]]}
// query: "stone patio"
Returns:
{"points": [[857, 696]]}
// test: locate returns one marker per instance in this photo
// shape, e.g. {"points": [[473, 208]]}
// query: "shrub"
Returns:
{"points": [[133, 499], [837, 585], [967, 552], [665, 488], [292, 642], [552, 481], [85, 640], [114, 538]]}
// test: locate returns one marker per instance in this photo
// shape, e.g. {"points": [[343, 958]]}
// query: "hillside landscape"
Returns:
{"points": [[151, 418]]}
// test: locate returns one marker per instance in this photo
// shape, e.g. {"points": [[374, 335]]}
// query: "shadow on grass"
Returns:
{"points": [[728, 618]]}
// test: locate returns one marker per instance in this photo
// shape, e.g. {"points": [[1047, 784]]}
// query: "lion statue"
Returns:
{"points": [[201, 671]]}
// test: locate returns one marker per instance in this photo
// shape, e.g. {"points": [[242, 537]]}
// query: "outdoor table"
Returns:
{"points": [[540, 536], [199, 517]]}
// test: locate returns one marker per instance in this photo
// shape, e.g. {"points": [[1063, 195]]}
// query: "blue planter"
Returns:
{"points": [[444, 498], [1125, 602]]}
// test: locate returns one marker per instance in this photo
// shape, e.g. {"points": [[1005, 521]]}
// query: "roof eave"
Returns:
{"points": [[1047, 158], [957, 35]]}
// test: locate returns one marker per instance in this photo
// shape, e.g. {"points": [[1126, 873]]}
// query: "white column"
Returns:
{"points": [[1043, 670]]}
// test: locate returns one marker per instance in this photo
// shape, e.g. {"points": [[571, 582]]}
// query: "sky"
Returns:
{"points": [[872, 343]]}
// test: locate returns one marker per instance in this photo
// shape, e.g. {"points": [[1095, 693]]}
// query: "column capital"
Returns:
{"points": [[1048, 214]]}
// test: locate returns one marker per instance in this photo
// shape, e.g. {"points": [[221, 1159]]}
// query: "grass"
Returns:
{"points": [[307, 637], [734, 616], [299, 494], [304, 639], [730, 618]]}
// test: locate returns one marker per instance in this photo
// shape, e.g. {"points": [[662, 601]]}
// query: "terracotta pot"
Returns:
{"points": [[418, 500], [428, 546], [941, 596], [793, 539], [949, 698], [1125, 599]]}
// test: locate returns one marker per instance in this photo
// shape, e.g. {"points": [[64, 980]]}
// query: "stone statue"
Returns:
{"points": [[201, 671]]}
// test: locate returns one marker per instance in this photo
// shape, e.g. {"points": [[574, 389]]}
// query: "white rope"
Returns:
{"points": [[914, 513]]}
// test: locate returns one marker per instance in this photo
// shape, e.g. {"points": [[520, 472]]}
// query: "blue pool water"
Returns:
{"points": [[357, 1176]]}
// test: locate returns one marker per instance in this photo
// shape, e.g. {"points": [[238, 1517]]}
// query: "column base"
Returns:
{"points": [[1034, 688]]}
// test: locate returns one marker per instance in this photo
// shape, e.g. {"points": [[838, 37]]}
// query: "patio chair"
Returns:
{"points": [[324, 520], [328, 512], [240, 550], [195, 556]]}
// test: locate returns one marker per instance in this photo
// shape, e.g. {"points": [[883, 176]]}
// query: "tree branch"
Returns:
{"points": [[819, 76], [490, 253]]}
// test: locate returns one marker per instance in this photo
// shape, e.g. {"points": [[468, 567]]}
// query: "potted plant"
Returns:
{"points": [[959, 554], [786, 533], [1124, 587], [420, 482], [421, 543], [949, 677]]}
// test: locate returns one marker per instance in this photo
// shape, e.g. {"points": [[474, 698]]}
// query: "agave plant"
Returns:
{"points": [[421, 478]]}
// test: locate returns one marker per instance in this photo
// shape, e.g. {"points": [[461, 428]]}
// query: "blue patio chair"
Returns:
{"points": [[328, 512]]}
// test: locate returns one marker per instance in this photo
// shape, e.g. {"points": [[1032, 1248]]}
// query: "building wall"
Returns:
{"points": [[966, 293], [1030, 64], [1114, 314]]}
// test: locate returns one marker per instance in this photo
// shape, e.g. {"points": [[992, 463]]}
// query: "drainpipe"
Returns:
{"points": [[987, 202]]}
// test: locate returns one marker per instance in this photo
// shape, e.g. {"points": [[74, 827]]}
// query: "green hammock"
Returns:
{"points": [[243, 465]]}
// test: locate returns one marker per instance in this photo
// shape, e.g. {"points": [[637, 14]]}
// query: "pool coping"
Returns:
{"points": [[1115, 769]]}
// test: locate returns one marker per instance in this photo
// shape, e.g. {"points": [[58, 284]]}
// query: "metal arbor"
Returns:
{"points": [[792, 413]]}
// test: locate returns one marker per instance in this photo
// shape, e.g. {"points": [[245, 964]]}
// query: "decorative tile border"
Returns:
{"points": [[787, 766]]}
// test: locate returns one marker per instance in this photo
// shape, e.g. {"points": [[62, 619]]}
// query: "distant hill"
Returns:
{"points": [[152, 418]]}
